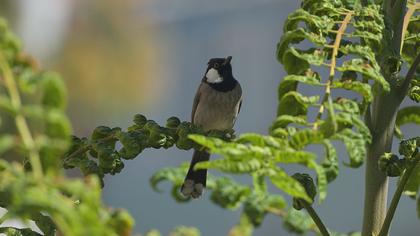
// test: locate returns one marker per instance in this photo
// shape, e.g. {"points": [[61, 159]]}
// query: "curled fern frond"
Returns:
{"points": [[343, 39], [100, 154], [229, 194]]}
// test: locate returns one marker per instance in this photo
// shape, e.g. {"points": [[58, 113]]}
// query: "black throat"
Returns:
{"points": [[228, 84]]}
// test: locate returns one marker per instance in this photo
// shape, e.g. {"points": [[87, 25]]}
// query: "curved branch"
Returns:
{"points": [[20, 121], [316, 219], [408, 14], [396, 198], [410, 76], [335, 48]]}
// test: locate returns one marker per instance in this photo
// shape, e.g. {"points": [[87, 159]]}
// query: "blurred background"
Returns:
{"points": [[119, 58]]}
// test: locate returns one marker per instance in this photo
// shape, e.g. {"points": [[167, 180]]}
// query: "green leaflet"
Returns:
{"points": [[349, 119], [355, 145], [231, 166], [296, 36], [295, 104], [297, 61], [341, 118], [347, 105], [313, 22], [174, 175], [410, 48], [301, 157], [243, 228], [57, 125], [228, 193], [297, 221], [304, 137], [323, 7], [233, 151], [322, 180], [356, 86], [288, 184], [284, 120], [285, 87], [313, 56], [406, 115], [313, 79], [372, 26], [412, 187], [294, 64], [261, 140], [6, 142], [330, 162], [55, 93], [365, 69], [307, 159], [259, 204], [9, 44]]}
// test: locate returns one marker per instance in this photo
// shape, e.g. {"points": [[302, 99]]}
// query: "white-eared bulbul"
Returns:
{"points": [[216, 106]]}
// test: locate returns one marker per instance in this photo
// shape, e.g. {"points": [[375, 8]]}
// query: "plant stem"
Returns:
{"points": [[335, 47], [396, 198], [316, 218], [20, 121], [384, 110], [383, 113]]}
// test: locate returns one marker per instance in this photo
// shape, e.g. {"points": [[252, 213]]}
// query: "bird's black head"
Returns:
{"points": [[219, 74]]}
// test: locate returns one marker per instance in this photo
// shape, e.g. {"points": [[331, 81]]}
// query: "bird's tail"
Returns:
{"points": [[195, 181]]}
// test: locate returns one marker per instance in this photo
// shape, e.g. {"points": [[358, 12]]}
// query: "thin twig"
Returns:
{"points": [[20, 120], [78, 152], [333, 63], [87, 147], [408, 14], [410, 75], [397, 195], [323, 230]]}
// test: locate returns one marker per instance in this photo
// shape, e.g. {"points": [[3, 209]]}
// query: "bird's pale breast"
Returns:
{"points": [[218, 110]]}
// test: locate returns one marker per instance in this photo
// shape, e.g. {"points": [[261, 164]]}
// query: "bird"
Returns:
{"points": [[216, 105]]}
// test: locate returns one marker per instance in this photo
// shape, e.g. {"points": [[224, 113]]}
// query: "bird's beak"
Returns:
{"points": [[227, 60]]}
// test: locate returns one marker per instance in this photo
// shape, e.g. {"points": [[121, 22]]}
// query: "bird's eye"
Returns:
{"points": [[216, 65]]}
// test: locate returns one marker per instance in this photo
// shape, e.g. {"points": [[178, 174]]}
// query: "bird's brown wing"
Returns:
{"points": [[196, 101]]}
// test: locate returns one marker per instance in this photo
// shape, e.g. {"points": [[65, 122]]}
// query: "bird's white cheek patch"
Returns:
{"points": [[213, 76]]}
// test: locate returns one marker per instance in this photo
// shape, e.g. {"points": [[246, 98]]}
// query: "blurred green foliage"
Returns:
{"points": [[37, 189]]}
